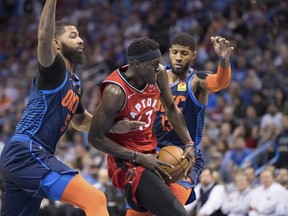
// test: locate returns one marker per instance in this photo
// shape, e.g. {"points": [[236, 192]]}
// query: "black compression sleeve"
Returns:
{"points": [[51, 77], [203, 74]]}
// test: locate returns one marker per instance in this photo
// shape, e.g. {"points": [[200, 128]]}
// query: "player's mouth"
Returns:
{"points": [[177, 66], [80, 49]]}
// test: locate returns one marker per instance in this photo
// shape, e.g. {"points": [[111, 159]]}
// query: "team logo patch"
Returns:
{"points": [[182, 86], [133, 114]]}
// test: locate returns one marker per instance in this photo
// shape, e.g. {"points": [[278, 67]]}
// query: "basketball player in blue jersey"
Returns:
{"points": [[31, 171], [190, 90]]}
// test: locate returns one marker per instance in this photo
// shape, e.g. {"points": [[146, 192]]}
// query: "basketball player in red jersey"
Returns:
{"points": [[132, 92]]}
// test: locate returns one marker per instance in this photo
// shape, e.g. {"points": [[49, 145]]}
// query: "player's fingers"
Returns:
{"points": [[158, 174], [187, 171], [165, 164], [213, 39], [134, 129], [156, 154], [187, 155], [184, 155], [137, 124], [164, 173], [221, 40]]}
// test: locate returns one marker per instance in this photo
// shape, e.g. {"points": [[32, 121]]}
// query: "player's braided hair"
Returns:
{"points": [[141, 45], [184, 39], [59, 27]]}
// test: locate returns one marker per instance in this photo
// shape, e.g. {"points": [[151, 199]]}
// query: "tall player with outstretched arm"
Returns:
{"points": [[190, 90], [30, 169]]}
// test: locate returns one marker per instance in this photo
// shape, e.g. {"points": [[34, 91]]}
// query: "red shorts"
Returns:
{"points": [[125, 176]]}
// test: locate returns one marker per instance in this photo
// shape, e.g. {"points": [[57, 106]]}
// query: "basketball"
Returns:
{"points": [[173, 156]]}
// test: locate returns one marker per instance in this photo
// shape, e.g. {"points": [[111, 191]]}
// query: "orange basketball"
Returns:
{"points": [[173, 156]]}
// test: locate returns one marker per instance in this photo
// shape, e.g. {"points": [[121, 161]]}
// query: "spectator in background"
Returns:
{"points": [[271, 81], [234, 157], [272, 115], [228, 117], [281, 100], [265, 198], [238, 201], [251, 117], [250, 173], [215, 161], [259, 103], [282, 176], [5, 101], [209, 195]]}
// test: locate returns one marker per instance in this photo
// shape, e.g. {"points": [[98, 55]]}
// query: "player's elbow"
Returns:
{"points": [[76, 124], [224, 85], [219, 86]]}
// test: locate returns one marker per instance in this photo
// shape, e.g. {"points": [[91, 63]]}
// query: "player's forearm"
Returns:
{"points": [[46, 26], [45, 49], [224, 63], [82, 122], [110, 147], [221, 79]]}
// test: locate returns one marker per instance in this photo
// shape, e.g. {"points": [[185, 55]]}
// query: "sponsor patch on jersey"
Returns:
{"points": [[182, 86]]}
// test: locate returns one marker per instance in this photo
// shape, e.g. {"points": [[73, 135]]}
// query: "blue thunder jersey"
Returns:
{"points": [[192, 110], [49, 112]]}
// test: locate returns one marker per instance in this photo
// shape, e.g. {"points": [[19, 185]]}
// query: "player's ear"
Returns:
{"points": [[135, 63], [57, 44], [194, 53]]}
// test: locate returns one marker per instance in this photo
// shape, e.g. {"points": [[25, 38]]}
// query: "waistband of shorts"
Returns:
{"points": [[21, 138]]}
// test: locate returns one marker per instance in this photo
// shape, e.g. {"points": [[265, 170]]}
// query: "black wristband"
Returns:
{"points": [[134, 155]]}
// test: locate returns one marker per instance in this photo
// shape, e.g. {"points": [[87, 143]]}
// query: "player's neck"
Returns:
{"points": [[135, 81], [176, 77], [68, 66]]}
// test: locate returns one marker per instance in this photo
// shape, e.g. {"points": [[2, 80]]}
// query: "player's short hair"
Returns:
{"points": [[59, 27], [184, 39], [141, 45]]}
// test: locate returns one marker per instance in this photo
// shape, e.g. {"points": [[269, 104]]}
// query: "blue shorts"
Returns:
{"points": [[30, 174]]}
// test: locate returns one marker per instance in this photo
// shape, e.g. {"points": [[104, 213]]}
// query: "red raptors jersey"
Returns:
{"points": [[138, 105]]}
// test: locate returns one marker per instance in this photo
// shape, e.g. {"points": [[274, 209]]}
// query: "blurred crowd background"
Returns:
{"points": [[246, 130]]}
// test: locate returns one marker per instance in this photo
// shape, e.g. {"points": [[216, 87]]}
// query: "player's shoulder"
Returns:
{"points": [[113, 88]]}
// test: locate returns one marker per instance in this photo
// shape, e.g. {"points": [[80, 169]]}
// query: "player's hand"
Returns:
{"points": [[126, 126], [150, 162], [190, 155], [222, 47]]}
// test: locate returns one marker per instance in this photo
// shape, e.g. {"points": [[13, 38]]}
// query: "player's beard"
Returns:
{"points": [[73, 55], [182, 70]]}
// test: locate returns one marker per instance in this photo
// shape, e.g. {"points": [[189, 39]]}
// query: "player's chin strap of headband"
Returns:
{"points": [[151, 54]]}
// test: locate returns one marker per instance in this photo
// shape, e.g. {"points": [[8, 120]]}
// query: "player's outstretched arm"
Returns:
{"points": [[46, 49], [221, 79]]}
